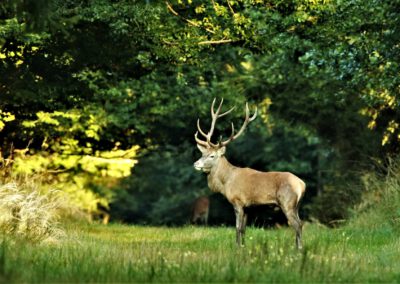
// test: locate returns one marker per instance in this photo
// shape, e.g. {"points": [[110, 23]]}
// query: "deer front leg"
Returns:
{"points": [[241, 219]]}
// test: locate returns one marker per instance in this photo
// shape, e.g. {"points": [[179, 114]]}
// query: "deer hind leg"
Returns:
{"points": [[289, 206], [298, 226], [295, 222], [289, 202]]}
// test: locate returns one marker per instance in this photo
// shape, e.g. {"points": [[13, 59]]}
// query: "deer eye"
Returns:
{"points": [[212, 156]]}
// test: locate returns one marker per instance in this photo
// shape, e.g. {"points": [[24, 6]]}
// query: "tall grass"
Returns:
{"points": [[366, 249], [120, 253], [27, 213], [380, 207]]}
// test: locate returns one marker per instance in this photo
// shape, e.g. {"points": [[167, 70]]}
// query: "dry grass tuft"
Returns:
{"points": [[27, 213]]}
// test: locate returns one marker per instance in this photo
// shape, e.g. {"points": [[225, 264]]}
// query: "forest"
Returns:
{"points": [[99, 99]]}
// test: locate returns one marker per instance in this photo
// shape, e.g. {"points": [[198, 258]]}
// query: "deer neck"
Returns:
{"points": [[219, 175]]}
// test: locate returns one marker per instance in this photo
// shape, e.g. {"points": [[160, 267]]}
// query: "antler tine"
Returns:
{"points": [[214, 117], [199, 128], [247, 120], [225, 113], [212, 107], [213, 114], [224, 143], [254, 115], [200, 142]]}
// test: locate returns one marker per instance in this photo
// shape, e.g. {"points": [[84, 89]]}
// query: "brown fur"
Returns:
{"points": [[200, 209], [244, 187]]}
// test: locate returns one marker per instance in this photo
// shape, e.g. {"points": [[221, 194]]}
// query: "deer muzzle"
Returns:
{"points": [[201, 166], [198, 165]]}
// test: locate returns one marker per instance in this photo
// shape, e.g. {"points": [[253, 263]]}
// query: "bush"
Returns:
{"points": [[380, 206], [160, 189]]}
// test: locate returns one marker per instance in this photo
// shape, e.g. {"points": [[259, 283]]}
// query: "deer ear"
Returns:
{"points": [[201, 148], [221, 151]]}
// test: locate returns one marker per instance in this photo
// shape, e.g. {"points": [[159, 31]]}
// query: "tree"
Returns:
{"points": [[91, 86]]}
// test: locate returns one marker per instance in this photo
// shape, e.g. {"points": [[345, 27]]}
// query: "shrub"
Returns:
{"points": [[380, 204]]}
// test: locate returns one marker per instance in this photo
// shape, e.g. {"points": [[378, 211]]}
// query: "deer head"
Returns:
{"points": [[211, 153]]}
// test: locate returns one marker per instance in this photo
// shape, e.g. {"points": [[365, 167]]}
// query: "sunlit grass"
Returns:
{"points": [[365, 249], [119, 253], [27, 213]]}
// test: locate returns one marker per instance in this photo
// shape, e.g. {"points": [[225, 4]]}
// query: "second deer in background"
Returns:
{"points": [[200, 209]]}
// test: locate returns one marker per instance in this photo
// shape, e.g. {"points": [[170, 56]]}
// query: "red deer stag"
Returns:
{"points": [[244, 187], [200, 208]]}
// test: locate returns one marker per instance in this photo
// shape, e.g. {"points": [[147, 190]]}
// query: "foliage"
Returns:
{"points": [[333, 52], [5, 117], [381, 199], [161, 190], [75, 117], [86, 88]]}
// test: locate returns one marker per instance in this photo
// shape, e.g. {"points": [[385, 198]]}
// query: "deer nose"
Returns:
{"points": [[197, 165]]}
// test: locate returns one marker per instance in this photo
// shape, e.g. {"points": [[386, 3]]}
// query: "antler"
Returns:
{"points": [[247, 120], [215, 116]]}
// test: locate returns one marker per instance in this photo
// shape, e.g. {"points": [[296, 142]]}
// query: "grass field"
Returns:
{"points": [[365, 249], [120, 253]]}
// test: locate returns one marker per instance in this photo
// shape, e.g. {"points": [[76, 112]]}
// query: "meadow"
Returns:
{"points": [[364, 248], [122, 253]]}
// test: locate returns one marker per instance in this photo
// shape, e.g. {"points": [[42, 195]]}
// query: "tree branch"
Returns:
{"points": [[171, 9], [230, 7], [221, 41]]}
